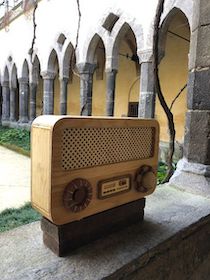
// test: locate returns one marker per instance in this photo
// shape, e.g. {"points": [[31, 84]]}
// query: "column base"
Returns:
{"points": [[62, 239], [192, 177]]}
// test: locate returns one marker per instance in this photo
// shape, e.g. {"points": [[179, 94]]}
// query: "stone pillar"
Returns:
{"points": [[33, 92], [48, 96], [63, 96], [110, 91], [12, 104], [6, 101], [193, 171], [24, 100], [147, 94], [86, 71]]}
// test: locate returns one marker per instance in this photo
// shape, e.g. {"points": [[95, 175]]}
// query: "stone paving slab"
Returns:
{"points": [[14, 179], [168, 211]]}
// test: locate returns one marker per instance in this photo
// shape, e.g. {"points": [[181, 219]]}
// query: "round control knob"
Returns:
{"points": [[77, 195], [145, 179]]}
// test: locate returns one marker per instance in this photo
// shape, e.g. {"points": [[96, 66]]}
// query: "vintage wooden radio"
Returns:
{"points": [[86, 165]]}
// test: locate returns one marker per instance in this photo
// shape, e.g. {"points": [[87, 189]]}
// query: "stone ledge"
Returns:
{"points": [[172, 243]]}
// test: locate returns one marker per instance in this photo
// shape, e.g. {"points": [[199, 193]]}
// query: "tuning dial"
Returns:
{"points": [[77, 195], [145, 179]]}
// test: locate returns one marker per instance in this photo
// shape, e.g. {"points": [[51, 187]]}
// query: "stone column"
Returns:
{"points": [[86, 71], [147, 94], [6, 101], [193, 171], [33, 92], [24, 100], [63, 96], [48, 96], [110, 91], [12, 104]]}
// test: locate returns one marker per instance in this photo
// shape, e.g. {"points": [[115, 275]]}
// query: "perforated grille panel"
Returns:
{"points": [[87, 147]]}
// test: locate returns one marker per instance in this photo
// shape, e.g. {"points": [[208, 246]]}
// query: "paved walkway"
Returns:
{"points": [[14, 179]]}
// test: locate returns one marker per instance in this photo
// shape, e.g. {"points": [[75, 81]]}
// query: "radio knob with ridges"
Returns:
{"points": [[77, 195], [145, 179]]}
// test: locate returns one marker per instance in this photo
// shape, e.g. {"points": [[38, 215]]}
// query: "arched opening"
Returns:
{"points": [[128, 77], [97, 55], [175, 41], [6, 75], [15, 90], [73, 86], [38, 82], [53, 67]]}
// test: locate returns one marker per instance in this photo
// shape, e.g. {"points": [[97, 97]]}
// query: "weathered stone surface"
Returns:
{"points": [[33, 93], [147, 95], [48, 96], [110, 93], [5, 102], [24, 100], [63, 95], [201, 11], [197, 141], [199, 48], [194, 183], [172, 242], [86, 71], [199, 90]]}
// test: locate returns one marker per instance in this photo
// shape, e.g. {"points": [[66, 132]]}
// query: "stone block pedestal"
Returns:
{"points": [[62, 239]]}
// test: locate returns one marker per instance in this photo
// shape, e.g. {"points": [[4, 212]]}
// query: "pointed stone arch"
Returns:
{"points": [[53, 63], [6, 74], [36, 70], [25, 70], [164, 29], [96, 54], [69, 61], [24, 95], [125, 33], [36, 90], [174, 45]]}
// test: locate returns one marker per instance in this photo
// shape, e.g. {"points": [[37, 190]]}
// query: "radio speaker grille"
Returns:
{"points": [[88, 147]]}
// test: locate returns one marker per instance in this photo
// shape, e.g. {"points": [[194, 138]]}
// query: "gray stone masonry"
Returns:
{"points": [[48, 95], [197, 128], [33, 93], [172, 243], [86, 71], [110, 91], [63, 97], [147, 95], [24, 100], [6, 101], [12, 104]]}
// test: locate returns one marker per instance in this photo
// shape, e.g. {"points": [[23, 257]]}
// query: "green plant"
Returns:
{"points": [[12, 137], [12, 218]]}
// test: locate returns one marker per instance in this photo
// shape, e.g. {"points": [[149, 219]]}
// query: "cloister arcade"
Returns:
{"points": [[114, 80]]}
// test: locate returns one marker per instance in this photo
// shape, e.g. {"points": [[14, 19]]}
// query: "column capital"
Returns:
{"points": [[145, 56], [110, 70], [64, 78], [23, 80], [5, 83], [48, 75], [86, 68]]}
